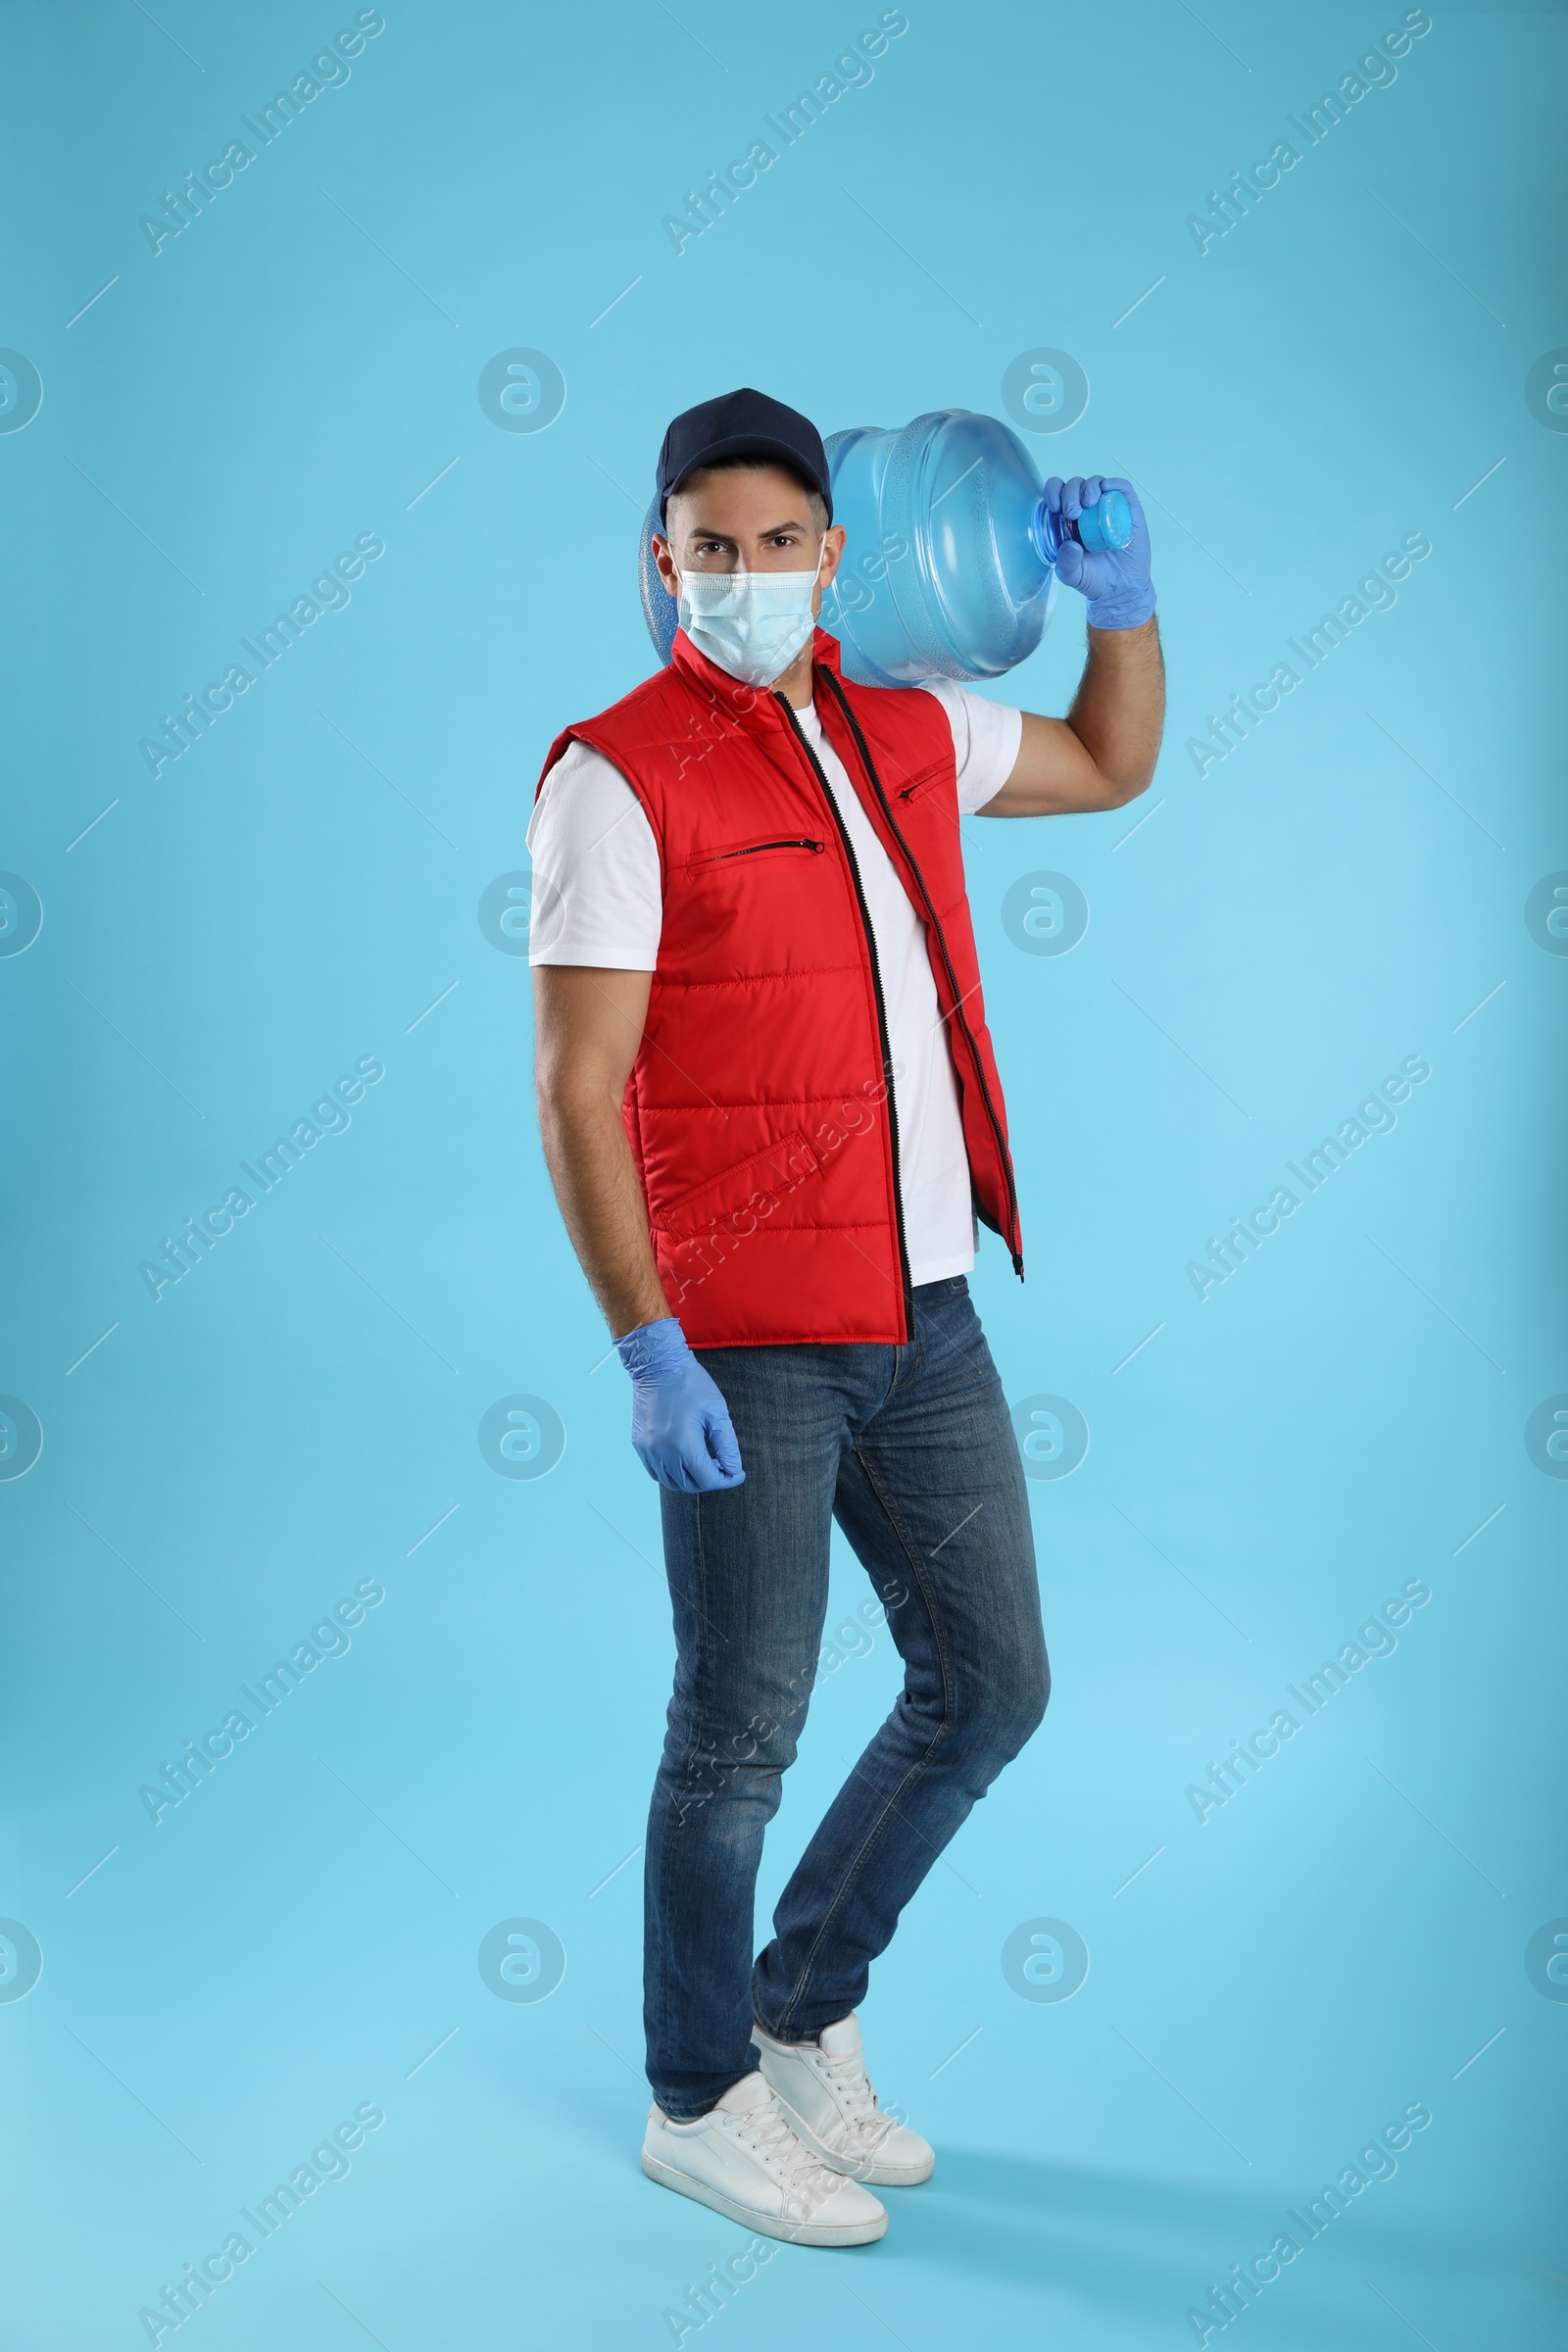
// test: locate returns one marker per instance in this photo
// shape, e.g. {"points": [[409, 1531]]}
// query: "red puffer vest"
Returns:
{"points": [[760, 1110]]}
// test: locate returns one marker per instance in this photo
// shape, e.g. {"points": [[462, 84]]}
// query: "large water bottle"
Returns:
{"points": [[948, 565]]}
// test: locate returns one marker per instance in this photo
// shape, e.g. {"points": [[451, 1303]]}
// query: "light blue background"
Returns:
{"points": [[296, 892]]}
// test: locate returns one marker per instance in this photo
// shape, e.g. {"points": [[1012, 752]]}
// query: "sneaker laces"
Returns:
{"points": [[852, 2090], [768, 2130]]}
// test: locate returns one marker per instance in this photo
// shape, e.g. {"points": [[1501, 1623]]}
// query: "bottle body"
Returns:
{"points": [[659, 605], [944, 574]]}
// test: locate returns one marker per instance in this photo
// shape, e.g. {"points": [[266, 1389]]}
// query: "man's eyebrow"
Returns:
{"points": [[729, 538]]}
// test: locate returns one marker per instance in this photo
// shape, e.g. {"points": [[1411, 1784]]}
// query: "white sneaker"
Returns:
{"points": [[824, 2090], [744, 2159]]}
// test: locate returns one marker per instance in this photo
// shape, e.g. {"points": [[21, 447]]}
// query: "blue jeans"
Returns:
{"points": [[912, 1450]]}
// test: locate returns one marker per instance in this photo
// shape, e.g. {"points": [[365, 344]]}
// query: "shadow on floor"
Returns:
{"points": [[1141, 2250]]}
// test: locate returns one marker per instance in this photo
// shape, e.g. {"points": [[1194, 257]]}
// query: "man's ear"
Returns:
{"points": [[832, 554], [667, 565]]}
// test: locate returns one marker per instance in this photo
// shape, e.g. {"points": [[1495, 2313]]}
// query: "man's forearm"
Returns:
{"points": [[1118, 713], [596, 1184]]}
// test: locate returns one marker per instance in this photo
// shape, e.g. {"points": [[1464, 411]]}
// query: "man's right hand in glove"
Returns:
{"points": [[680, 1424]]}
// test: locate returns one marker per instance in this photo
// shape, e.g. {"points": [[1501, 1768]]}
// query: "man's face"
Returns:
{"points": [[746, 519]]}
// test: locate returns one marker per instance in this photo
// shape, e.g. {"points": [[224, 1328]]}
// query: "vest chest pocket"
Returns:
{"points": [[743, 851], [920, 786]]}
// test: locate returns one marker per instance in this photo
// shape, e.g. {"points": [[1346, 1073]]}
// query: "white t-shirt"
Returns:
{"points": [[597, 899]]}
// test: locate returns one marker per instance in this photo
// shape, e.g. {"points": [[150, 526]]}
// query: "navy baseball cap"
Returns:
{"points": [[743, 424]]}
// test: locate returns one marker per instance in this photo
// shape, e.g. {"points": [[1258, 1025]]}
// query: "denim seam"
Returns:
{"points": [[692, 1750], [912, 1554]]}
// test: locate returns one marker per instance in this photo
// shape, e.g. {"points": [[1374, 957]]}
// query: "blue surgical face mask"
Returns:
{"points": [[749, 623]]}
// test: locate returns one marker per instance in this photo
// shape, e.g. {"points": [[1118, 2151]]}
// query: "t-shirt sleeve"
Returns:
{"points": [[597, 894], [986, 736]]}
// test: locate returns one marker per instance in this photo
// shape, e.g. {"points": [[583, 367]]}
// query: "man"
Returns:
{"points": [[771, 1113]]}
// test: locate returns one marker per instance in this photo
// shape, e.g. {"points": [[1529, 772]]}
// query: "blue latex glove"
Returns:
{"points": [[680, 1424], [1115, 580]]}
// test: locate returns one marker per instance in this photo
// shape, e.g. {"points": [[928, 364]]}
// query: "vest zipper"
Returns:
{"points": [[1003, 1152], [906, 1285], [755, 848]]}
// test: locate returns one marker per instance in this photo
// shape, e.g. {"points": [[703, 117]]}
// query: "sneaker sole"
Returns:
{"points": [[794, 2233], [890, 2175]]}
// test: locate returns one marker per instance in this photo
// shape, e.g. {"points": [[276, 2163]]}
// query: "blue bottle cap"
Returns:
{"points": [[1108, 523]]}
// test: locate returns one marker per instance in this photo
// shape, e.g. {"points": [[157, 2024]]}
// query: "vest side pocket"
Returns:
{"points": [[734, 1193]]}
